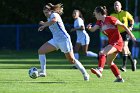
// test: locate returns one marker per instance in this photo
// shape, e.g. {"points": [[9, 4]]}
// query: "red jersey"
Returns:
{"points": [[109, 28]]}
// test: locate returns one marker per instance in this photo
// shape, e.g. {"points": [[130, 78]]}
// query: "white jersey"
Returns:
{"points": [[61, 39], [82, 35], [58, 30]]}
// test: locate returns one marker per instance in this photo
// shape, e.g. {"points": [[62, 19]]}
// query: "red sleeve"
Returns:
{"points": [[113, 20], [98, 22]]}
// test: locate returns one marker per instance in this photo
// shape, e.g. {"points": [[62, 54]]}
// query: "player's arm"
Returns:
{"points": [[127, 29], [78, 28], [131, 20], [46, 24], [92, 29], [131, 24], [53, 20]]}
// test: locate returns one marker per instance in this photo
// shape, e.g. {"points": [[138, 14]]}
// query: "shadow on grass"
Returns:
{"points": [[48, 82], [41, 82]]}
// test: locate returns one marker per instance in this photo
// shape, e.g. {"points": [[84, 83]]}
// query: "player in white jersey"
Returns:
{"points": [[61, 39], [83, 38]]}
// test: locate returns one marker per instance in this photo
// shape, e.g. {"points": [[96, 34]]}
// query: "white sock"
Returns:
{"points": [[100, 69], [76, 55], [91, 54], [42, 59], [80, 67]]}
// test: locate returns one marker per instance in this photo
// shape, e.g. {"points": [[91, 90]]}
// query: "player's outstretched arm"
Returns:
{"points": [[46, 24], [92, 29]]}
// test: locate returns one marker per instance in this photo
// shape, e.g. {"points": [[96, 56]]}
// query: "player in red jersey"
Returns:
{"points": [[108, 25]]}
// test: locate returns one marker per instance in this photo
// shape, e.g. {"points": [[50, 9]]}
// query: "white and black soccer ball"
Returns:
{"points": [[33, 72]]}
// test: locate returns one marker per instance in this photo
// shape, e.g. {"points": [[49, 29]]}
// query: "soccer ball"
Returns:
{"points": [[33, 73]]}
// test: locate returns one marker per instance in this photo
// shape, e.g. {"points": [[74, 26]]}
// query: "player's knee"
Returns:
{"points": [[71, 60], [109, 63], [102, 53], [40, 51]]}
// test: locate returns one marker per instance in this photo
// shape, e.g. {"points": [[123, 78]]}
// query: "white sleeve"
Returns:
{"points": [[54, 15], [80, 22]]}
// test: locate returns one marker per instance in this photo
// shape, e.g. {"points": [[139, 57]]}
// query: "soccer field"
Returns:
{"points": [[61, 78]]}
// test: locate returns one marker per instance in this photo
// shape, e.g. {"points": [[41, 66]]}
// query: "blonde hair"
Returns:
{"points": [[58, 8]]}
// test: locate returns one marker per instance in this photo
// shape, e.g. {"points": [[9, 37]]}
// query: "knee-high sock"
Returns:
{"points": [[42, 59], [80, 67], [91, 54], [76, 55], [101, 63], [115, 70]]}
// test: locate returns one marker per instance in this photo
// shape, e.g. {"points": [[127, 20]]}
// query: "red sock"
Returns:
{"points": [[115, 70], [102, 60]]}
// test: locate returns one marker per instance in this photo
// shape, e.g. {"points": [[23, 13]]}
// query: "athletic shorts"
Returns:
{"points": [[65, 46], [83, 40], [118, 46], [125, 36]]}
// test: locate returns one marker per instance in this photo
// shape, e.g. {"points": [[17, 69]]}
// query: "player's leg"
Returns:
{"points": [[71, 58], [88, 53], [124, 51], [76, 50], [85, 44], [44, 49], [133, 61], [113, 67], [102, 59], [125, 56], [128, 54], [67, 49]]}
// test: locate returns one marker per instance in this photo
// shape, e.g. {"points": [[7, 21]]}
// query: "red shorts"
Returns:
{"points": [[118, 46]]}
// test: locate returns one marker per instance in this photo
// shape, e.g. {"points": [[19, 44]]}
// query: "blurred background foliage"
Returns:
{"points": [[19, 21], [30, 11]]}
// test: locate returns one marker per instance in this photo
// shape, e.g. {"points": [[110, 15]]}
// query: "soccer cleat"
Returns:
{"points": [[119, 80], [97, 72], [123, 69], [41, 74], [86, 77], [134, 65]]}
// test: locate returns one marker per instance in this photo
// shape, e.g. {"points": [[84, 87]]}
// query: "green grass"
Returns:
{"points": [[61, 78]]}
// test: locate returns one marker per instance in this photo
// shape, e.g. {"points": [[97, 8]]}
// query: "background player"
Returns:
{"points": [[83, 38]]}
